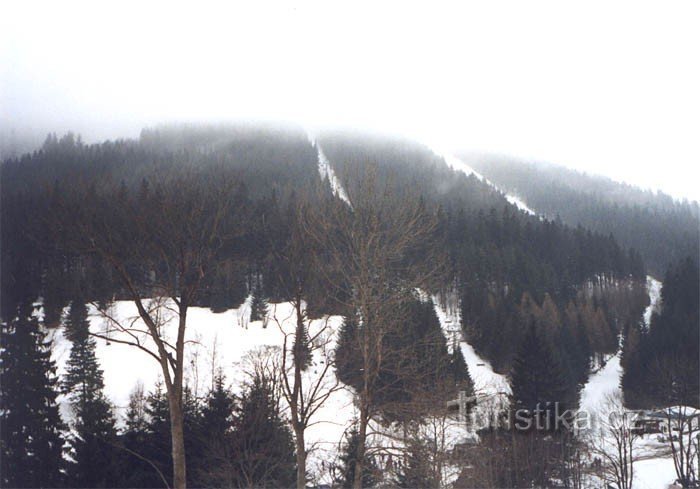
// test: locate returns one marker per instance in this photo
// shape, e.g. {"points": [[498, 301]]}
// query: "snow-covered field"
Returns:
{"points": [[216, 341]]}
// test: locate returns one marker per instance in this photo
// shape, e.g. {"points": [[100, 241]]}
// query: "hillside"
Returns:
{"points": [[664, 230], [256, 262]]}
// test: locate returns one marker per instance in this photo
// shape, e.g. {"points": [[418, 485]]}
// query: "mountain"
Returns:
{"points": [[461, 275], [663, 229]]}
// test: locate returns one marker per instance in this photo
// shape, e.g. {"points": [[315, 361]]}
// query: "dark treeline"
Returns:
{"points": [[664, 230], [661, 364]]}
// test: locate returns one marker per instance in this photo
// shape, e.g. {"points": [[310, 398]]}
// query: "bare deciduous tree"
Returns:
{"points": [[371, 256], [161, 241], [614, 440]]}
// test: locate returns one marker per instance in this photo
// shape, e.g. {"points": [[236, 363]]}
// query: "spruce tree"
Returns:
{"points": [[415, 471], [460, 372], [212, 438], [262, 443], [537, 381], [348, 460], [158, 445], [30, 423], [258, 304], [137, 444], [217, 413], [93, 441]]}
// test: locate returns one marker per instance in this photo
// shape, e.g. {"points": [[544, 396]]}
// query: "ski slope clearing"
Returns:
{"points": [[606, 381], [225, 341], [654, 288], [459, 165], [487, 383], [326, 171], [655, 469]]}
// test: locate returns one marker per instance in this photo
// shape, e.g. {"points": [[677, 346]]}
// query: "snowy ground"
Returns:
{"points": [[223, 340], [655, 470], [218, 341], [486, 381]]}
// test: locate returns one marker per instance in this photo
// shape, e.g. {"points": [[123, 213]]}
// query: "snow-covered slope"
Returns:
{"points": [[459, 165], [655, 470], [654, 288], [489, 385], [327, 172]]}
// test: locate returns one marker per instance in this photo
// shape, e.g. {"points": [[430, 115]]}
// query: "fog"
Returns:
{"points": [[605, 88]]}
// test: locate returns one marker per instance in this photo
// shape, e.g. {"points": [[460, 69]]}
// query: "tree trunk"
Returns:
{"points": [[177, 432], [361, 446], [301, 458], [177, 422]]}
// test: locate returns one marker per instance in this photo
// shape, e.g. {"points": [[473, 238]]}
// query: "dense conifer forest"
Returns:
{"points": [[664, 230]]}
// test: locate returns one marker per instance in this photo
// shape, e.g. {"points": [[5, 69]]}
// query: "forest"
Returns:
{"points": [[670, 231], [216, 217]]}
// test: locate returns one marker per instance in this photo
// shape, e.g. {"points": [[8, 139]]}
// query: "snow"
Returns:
{"points": [[459, 165], [520, 204], [222, 340], [655, 469], [654, 288], [607, 380], [326, 171], [654, 473], [487, 383], [215, 341], [601, 384]]}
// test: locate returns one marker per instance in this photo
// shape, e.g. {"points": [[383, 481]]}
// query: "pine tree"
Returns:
{"points": [[302, 346], [263, 446], [158, 446], [136, 443], [32, 445], [537, 380], [217, 413], [672, 347], [348, 460], [415, 471], [347, 359], [93, 443], [258, 304], [460, 372], [210, 439]]}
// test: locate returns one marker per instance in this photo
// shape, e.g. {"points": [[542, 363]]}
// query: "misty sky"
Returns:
{"points": [[606, 87]]}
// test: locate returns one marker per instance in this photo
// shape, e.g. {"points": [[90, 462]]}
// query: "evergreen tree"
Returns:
{"points": [[32, 445], [415, 471], [671, 349], [217, 413], [460, 372], [258, 304], [262, 443], [537, 380], [93, 443], [137, 444], [158, 446], [302, 346], [348, 460]]}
